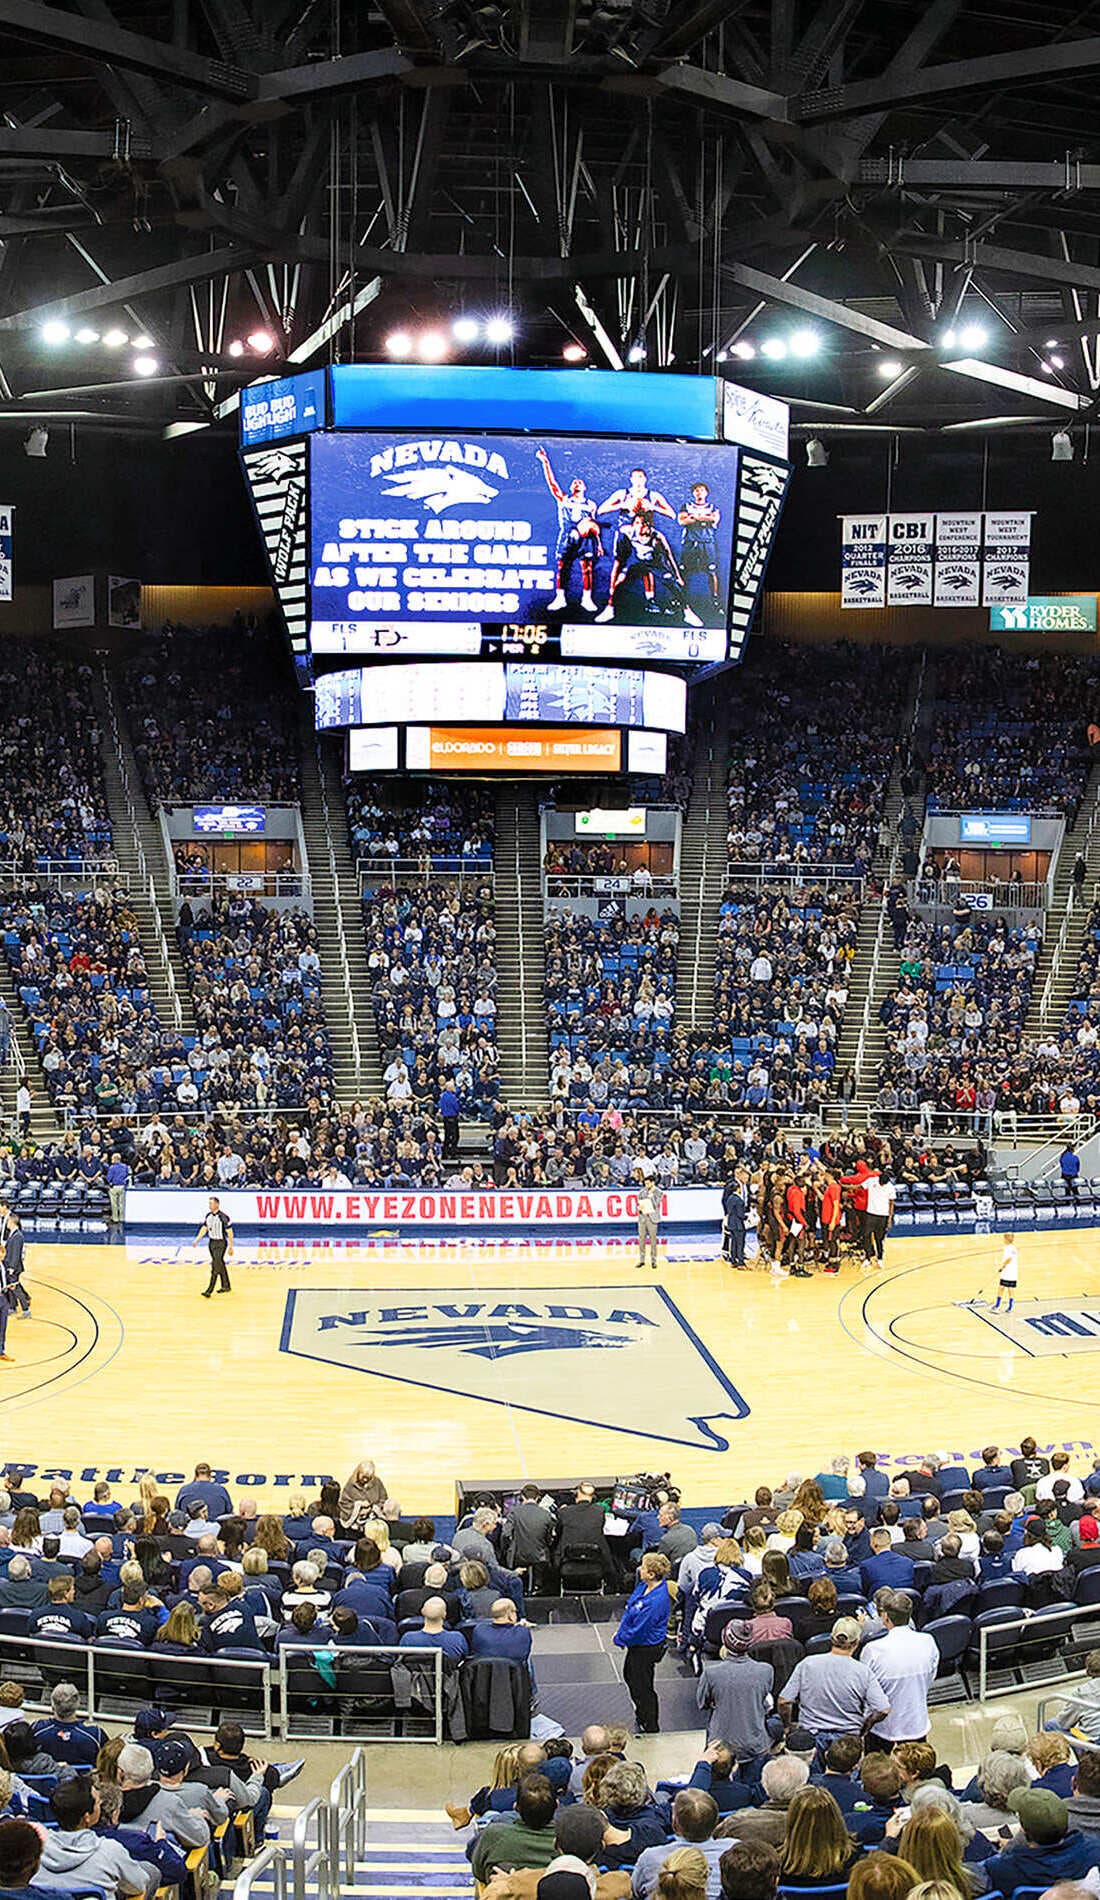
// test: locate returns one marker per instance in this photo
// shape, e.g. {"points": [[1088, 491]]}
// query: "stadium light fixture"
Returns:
{"points": [[804, 343], [1061, 446], [145, 365], [973, 336], [574, 352], [743, 350], [499, 329], [86, 335], [888, 367], [143, 342], [465, 329], [948, 340], [636, 353], [55, 332], [114, 339], [774, 348], [236, 348], [399, 344], [432, 346], [262, 342], [817, 455]]}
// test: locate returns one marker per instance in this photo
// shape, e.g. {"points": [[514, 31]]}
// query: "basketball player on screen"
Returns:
{"points": [[647, 555], [578, 537], [629, 502], [699, 544]]}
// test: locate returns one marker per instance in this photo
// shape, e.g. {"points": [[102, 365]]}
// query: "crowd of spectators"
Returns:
{"points": [[954, 1021], [52, 801], [255, 980], [77, 965], [432, 968], [782, 969], [814, 736], [1011, 733], [437, 824], [213, 712], [610, 1004]]}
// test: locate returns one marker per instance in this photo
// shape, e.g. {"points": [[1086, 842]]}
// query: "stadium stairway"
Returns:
{"points": [[521, 948], [45, 1122], [411, 1854], [338, 915], [1058, 958], [922, 687], [138, 843], [703, 870]]}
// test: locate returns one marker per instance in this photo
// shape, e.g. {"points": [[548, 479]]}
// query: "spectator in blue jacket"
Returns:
{"points": [[993, 1476], [1069, 1163], [642, 1632], [885, 1565], [1047, 1850]]}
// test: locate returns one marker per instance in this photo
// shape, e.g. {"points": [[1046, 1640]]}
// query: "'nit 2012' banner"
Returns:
{"points": [[935, 560]]}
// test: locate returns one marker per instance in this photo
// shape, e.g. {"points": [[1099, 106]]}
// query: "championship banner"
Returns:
{"points": [[909, 560], [7, 554], [420, 1208], [1007, 563], [958, 573], [863, 561], [74, 602]]}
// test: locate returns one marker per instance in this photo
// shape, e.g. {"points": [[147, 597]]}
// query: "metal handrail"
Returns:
{"points": [[76, 1661], [348, 1802], [1051, 1620], [265, 883], [790, 871], [59, 870], [604, 883], [143, 869], [941, 893], [268, 1866], [371, 871], [341, 934], [316, 1867]]}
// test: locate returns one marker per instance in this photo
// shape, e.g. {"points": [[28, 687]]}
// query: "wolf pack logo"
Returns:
{"points": [[274, 465], [1044, 1330], [440, 474], [620, 1359]]}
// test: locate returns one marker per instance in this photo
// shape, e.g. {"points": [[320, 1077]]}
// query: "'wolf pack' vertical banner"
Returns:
{"points": [[958, 574], [863, 561], [909, 560], [7, 553], [1007, 564]]}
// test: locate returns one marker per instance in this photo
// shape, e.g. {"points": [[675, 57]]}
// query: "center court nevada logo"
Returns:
{"points": [[622, 1359]]}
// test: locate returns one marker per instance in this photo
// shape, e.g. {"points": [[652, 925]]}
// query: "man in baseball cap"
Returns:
{"points": [[1047, 1849]]}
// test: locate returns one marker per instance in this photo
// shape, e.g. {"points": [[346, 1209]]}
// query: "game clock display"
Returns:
{"points": [[416, 541]]}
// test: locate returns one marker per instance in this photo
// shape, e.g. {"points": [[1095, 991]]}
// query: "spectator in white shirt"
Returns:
{"points": [[1074, 1491], [904, 1662], [1036, 1553]]}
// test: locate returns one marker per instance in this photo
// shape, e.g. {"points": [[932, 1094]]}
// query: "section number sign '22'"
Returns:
{"points": [[622, 1359]]}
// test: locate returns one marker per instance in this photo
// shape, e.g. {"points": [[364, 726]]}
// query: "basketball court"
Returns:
{"points": [[444, 1359]]}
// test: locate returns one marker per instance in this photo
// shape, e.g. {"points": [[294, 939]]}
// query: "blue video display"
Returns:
{"points": [[411, 531], [219, 819]]}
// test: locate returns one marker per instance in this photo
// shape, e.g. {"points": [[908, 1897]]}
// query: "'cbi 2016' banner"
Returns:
{"points": [[941, 560], [7, 551]]}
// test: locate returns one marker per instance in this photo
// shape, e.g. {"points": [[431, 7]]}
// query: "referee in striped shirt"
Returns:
{"points": [[217, 1232]]}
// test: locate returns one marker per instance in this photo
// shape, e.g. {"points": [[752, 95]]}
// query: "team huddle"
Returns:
{"points": [[643, 561]]}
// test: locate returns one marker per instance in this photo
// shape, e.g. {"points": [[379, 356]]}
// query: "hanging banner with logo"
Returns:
{"points": [[1007, 563], [863, 561], [909, 560], [7, 554], [958, 572], [942, 560]]}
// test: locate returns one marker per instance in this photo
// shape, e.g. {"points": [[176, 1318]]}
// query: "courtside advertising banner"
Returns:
{"points": [[863, 561], [374, 1208], [7, 551], [430, 530]]}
